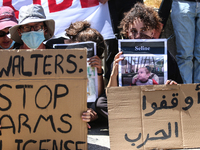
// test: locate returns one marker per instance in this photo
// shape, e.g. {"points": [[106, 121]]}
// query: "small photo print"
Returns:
{"points": [[91, 84], [136, 70]]}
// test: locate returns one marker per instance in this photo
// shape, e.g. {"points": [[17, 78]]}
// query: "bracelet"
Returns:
{"points": [[100, 74]]}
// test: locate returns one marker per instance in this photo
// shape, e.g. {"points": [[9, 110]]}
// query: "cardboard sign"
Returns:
{"points": [[148, 117], [42, 97]]}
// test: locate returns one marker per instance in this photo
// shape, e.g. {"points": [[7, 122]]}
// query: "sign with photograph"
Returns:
{"points": [[144, 63], [92, 83]]}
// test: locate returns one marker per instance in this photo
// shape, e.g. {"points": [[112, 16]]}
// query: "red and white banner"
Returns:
{"points": [[65, 12]]}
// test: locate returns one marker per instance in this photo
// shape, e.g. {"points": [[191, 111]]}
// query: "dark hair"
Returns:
{"points": [[147, 14], [146, 69], [81, 31]]}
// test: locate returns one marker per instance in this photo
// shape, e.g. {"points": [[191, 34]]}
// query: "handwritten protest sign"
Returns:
{"points": [[147, 117], [42, 97]]}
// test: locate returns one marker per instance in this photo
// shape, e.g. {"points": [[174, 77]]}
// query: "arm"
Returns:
{"points": [[95, 61], [114, 73]]}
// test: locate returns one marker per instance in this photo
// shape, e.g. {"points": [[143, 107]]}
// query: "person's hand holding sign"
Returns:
{"points": [[89, 116]]}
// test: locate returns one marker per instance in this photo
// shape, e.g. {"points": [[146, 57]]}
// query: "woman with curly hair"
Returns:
{"points": [[141, 22], [142, 17], [81, 31]]}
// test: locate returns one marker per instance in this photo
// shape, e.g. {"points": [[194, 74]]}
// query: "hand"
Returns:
{"points": [[170, 82], [88, 125], [89, 115], [135, 80], [115, 64], [95, 61], [103, 1]]}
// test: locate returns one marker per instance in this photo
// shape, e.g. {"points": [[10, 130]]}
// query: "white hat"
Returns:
{"points": [[31, 14]]}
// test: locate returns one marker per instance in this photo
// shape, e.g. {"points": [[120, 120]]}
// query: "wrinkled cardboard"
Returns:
{"points": [[133, 124], [43, 111]]}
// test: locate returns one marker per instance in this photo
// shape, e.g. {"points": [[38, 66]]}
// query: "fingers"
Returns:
{"points": [[170, 82], [137, 21], [95, 64], [86, 116], [95, 61], [173, 82], [94, 57], [134, 80], [92, 112], [89, 115], [118, 55], [88, 125], [118, 58]]}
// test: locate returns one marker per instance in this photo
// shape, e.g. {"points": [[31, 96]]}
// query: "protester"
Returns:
{"points": [[141, 22], [33, 28], [81, 31], [117, 9], [186, 23], [7, 20]]}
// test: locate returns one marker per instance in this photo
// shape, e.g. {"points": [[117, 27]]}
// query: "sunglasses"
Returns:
{"points": [[2, 33]]}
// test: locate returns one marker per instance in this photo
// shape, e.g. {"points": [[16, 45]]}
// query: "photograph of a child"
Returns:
{"points": [[136, 70], [144, 77]]}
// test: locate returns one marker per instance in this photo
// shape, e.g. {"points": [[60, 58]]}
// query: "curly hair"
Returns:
{"points": [[81, 31], [147, 14]]}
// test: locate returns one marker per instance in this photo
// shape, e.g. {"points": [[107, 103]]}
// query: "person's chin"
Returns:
{"points": [[143, 80], [5, 45]]}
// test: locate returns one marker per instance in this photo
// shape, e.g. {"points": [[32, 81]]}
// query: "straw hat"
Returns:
{"points": [[31, 14]]}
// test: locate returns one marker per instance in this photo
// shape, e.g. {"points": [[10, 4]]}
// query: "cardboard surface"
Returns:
{"points": [[147, 117], [43, 111]]}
